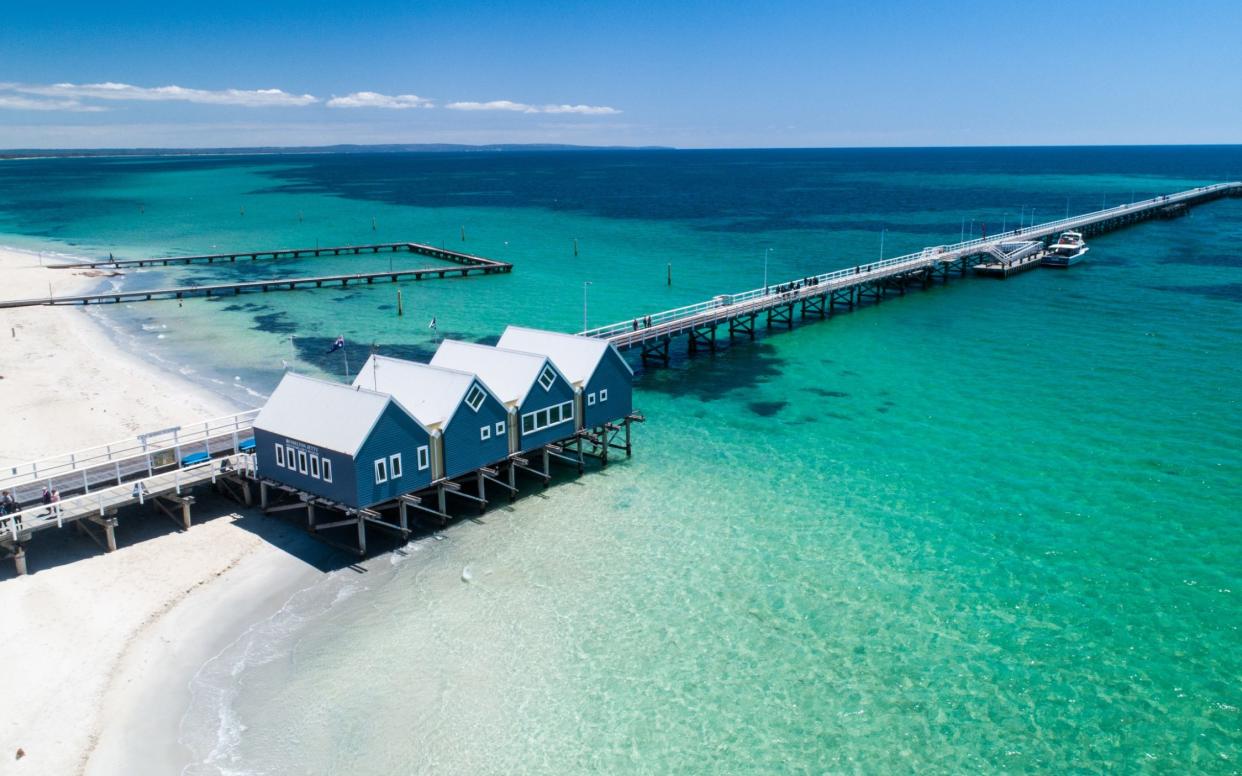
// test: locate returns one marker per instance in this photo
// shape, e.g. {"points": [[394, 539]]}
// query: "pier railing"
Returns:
{"points": [[736, 303], [152, 450]]}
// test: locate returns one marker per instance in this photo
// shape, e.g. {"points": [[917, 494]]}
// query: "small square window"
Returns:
{"points": [[314, 463], [280, 455], [603, 394], [302, 461], [326, 469], [500, 428], [528, 423], [381, 471], [475, 397], [485, 432], [567, 411], [547, 377], [394, 466], [541, 418], [424, 457], [590, 399]]}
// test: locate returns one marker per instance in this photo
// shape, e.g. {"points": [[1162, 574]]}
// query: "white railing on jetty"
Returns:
{"points": [[100, 502], [888, 266], [180, 440]]}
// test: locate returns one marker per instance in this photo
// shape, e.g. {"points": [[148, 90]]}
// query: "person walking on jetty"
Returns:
{"points": [[8, 504]]}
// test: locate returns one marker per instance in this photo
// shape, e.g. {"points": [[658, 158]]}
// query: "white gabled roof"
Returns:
{"points": [[430, 393], [322, 413], [576, 357], [508, 373]]}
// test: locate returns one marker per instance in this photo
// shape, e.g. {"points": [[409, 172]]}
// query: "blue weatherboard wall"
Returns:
{"points": [[612, 375], [341, 489], [464, 448], [537, 399], [395, 432]]}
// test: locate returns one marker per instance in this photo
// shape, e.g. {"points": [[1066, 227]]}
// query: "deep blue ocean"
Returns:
{"points": [[989, 527]]}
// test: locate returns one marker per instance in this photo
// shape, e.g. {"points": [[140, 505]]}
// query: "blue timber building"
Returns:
{"points": [[602, 380], [469, 426], [348, 445], [539, 399]]}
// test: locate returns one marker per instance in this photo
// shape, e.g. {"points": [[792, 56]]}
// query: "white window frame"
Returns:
{"points": [[280, 455], [325, 468], [564, 413], [591, 399], [302, 462], [548, 375], [475, 391], [381, 470], [291, 458], [485, 433], [394, 466], [500, 428], [603, 394], [424, 457], [314, 466]]}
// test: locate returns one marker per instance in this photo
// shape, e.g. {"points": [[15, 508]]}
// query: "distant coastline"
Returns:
{"points": [[57, 153]]}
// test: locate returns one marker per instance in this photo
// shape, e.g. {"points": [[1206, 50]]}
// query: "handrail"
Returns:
{"points": [[40, 515], [182, 437], [924, 256]]}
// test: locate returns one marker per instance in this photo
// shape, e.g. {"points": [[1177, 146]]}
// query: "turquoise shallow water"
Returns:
{"points": [[991, 527]]}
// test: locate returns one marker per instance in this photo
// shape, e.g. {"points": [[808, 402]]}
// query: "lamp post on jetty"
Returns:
{"points": [[882, 232], [766, 253], [585, 284]]}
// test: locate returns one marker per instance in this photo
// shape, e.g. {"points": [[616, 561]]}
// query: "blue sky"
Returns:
{"points": [[689, 74]]}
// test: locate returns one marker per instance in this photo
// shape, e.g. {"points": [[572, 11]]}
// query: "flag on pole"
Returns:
{"points": [[340, 343]]}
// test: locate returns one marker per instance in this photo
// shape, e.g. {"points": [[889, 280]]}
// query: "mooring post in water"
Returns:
{"points": [[669, 268], [463, 234], [400, 310], [575, 246]]}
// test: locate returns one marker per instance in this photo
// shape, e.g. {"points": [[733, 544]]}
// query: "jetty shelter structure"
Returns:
{"points": [[469, 426], [603, 382], [348, 445], [539, 399]]}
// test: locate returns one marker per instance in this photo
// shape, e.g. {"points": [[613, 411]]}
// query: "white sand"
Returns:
{"points": [[88, 631]]}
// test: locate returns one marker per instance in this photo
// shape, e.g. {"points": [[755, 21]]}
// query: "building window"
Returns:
{"points": [[500, 428], [302, 461], [475, 397], [280, 455], [291, 457], [424, 457], [381, 470], [485, 432], [394, 466], [590, 399], [547, 377], [546, 418], [603, 394], [314, 462], [326, 469]]}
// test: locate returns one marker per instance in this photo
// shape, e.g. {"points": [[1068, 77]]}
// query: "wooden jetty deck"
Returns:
{"points": [[822, 295], [286, 253], [470, 265]]}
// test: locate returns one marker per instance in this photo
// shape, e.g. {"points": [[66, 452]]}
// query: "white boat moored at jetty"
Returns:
{"points": [[1067, 251]]}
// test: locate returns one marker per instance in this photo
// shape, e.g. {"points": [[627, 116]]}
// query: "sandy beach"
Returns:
{"points": [[97, 642]]}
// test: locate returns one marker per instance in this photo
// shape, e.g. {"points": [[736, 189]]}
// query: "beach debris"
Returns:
{"points": [[467, 575], [20, 753]]}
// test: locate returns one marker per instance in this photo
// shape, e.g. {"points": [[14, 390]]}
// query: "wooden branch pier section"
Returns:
{"points": [[842, 290], [468, 265]]}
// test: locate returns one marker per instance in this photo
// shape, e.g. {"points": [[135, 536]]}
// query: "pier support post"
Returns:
{"points": [[263, 496], [19, 559], [310, 517], [443, 504], [362, 536], [404, 516], [109, 526]]}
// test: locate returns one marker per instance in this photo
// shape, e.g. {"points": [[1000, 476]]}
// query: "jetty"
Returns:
{"points": [[468, 265], [821, 296]]}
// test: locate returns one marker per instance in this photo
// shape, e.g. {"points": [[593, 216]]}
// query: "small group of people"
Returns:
{"points": [[51, 499], [645, 322], [794, 285], [8, 504]]}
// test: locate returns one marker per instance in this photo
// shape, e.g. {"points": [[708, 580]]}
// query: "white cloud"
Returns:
{"points": [[521, 107], [586, 110], [255, 98], [18, 102], [376, 100], [493, 105]]}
